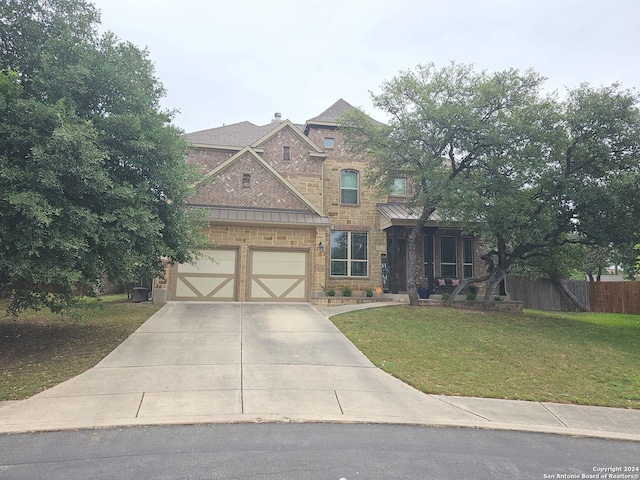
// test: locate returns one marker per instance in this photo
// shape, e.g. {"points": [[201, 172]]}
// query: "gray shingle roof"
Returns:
{"points": [[240, 134], [333, 113], [234, 135]]}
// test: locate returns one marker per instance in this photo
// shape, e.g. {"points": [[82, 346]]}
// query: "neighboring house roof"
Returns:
{"points": [[256, 215], [610, 278]]}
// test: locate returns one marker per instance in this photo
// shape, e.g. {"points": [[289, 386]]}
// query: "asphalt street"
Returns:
{"points": [[310, 451]]}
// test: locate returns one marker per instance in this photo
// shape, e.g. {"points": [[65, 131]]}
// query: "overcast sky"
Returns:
{"points": [[226, 61]]}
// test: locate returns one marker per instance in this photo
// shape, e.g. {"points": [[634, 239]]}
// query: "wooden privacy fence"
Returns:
{"points": [[541, 294], [615, 297], [609, 297]]}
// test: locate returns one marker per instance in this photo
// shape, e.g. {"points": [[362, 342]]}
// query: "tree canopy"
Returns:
{"points": [[93, 180], [524, 170]]}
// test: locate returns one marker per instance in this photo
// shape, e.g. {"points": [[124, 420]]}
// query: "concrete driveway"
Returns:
{"points": [[248, 362]]}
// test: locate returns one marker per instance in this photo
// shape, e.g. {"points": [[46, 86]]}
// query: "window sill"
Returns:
{"points": [[338, 277]]}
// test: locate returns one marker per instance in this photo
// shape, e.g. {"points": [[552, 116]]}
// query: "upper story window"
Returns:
{"points": [[349, 180], [399, 187], [286, 153], [246, 180], [328, 143]]}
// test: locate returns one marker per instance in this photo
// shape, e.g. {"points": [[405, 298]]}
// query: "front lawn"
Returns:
{"points": [[41, 349], [582, 358]]}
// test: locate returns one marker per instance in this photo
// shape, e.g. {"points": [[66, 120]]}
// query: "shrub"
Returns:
{"points": [[331, 292], [471, 296], [347, 291], [446, 296], [369, 292], [497, 298]]}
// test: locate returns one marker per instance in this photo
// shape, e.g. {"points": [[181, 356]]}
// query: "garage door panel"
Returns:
{"points": [[206, 286], [279, 275], [286, 263], [211, 277]]}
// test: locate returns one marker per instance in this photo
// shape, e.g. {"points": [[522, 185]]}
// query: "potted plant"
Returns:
{"points": [[424, 291]]}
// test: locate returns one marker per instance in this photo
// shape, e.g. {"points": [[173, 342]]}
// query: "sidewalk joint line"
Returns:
{"points": [[553, 414], [335, 392], [463, 409], [140, 404]]}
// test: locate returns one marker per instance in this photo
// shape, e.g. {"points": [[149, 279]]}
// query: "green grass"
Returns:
{"points": [[581, 358], [41, 349]]}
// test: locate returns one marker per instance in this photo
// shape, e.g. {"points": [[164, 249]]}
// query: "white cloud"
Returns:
{"points": [[225, 61]]}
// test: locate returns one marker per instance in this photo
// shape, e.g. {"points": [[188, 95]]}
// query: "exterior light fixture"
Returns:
{"points": [[321, 248]]}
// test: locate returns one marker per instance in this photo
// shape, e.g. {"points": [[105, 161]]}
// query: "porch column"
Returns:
{"points": [[428, 254]]}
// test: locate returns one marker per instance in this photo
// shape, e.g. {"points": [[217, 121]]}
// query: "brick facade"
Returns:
{"points": [[246, 183], [287, 169]]}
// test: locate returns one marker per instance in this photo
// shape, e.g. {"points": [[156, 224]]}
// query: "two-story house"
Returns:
{"points": [[290, 218]]}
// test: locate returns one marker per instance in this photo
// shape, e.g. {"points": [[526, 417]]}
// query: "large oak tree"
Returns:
{"points": [[92, 173], [525, 171]]}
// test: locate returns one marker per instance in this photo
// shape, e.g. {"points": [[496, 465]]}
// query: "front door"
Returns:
{"points": [[397, 264]]}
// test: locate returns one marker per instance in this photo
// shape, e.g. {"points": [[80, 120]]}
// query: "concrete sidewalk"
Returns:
{"points": [[247, 362]]}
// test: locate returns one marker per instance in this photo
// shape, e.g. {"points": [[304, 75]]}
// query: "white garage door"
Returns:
{"points": [[212, 277], [278, 275]]}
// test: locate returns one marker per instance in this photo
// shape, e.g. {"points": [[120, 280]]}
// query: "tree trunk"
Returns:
{"points": [[414, 243], [492, 284], [464, 283], [563, 288]]}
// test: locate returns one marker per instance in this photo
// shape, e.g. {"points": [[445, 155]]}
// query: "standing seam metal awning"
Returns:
{"points": [[399, 214], [256, 215]]}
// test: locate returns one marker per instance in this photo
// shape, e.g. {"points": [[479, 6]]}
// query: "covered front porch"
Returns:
{"points": [[447, 256]]}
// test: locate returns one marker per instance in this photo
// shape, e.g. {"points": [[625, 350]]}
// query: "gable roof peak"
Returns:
{"points": [[332, 114]]}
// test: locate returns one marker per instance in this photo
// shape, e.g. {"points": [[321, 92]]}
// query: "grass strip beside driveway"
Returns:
{"points": [[581, 358], [41, 349]]}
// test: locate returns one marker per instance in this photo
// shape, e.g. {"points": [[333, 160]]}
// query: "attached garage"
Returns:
{"points": [[274, 275], [212, 277], [278, 275]]}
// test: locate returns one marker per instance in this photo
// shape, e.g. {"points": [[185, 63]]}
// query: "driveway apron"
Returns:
{"points": [[207, 362]]}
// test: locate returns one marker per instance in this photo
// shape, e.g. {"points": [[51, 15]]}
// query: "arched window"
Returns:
{"points": [[349, 185]]}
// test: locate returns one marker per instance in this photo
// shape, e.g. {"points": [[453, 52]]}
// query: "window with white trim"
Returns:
{"points": [[349, 181], [349, 254], [328, 143]]}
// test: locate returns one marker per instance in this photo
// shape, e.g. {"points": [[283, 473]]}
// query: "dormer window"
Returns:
{"points": [[286, 154], [328, 143]]}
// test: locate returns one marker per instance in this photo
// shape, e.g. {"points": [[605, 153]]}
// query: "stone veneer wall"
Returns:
{"points": [[363, 217], [244, 237]]}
